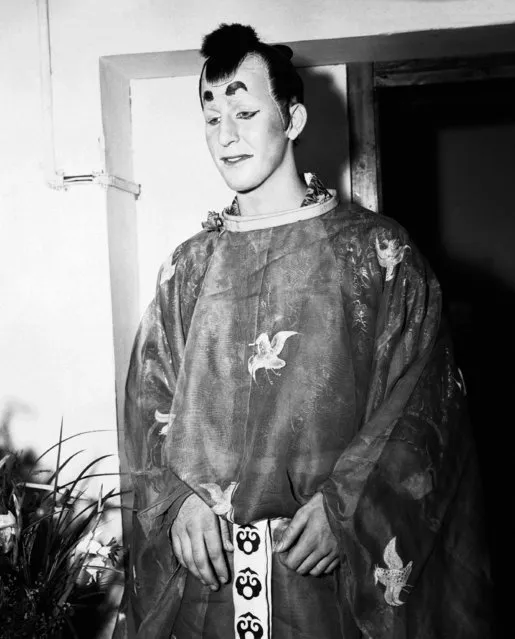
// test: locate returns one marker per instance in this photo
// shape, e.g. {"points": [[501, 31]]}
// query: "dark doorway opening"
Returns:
{"points": [[447, 157]]}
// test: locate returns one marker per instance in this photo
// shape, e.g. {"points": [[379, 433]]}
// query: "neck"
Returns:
{"points": [[282, 191]]}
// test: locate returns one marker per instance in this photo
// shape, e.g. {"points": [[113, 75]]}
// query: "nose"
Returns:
{"points": [[227, 132]]}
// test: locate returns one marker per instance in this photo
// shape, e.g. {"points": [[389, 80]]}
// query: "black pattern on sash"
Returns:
{"points": [[248, 584], [248, 623], [248, 539]]}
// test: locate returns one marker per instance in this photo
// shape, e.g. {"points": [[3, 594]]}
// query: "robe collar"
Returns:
{"points": [[317, 201]]}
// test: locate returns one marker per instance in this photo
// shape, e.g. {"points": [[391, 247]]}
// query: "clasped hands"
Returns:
{"points": [[199, 539]]}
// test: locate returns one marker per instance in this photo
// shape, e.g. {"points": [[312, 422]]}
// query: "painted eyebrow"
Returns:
{"points": [[230, 90], [234, 86]]}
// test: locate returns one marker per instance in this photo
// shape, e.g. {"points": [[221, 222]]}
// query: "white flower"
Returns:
{"points": [[88, 545], [8, 531], [96, 555], [94, 566]]}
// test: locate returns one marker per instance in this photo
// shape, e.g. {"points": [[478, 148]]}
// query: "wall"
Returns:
{"points": [[56, 336], [55, 327]]}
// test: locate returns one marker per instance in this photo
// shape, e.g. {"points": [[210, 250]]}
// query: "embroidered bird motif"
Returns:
{"points": [[390, 255], [266, 355], [222, 499], [394, 577]]}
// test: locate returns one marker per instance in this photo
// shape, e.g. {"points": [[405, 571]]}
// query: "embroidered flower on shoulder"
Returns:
{"points": [[389, 254], [214, 222], [316, 193], [395, 577]]}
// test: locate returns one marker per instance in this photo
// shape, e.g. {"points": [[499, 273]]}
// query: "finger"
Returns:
{"points": [[226, 536], [299, 553], [201, 559], [292, 532], [187, 555], [216, 555], [177, 549], [323, 565], [334, 564], [311, 561]]}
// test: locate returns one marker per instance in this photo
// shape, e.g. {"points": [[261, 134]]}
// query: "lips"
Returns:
{"points": [[232, 160]]}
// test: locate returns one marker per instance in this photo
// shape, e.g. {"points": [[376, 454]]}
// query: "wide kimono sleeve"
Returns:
{"points": [[155, 582], [150, 388], [403, 499]]}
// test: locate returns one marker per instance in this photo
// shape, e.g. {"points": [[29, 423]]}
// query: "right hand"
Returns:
{"points": [[199, 538]]}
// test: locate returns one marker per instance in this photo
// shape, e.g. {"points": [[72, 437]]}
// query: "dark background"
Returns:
{"points": [[447, 155]]}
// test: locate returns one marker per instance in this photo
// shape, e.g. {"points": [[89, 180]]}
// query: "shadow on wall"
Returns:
{"points": [[8, 410], [323, 146]]}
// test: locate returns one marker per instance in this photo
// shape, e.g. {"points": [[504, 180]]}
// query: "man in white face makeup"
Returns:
{"points": [[301, 461], [250, 139]]}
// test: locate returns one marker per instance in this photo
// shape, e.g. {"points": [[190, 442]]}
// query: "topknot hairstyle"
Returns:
{"points": [[227, 47]]}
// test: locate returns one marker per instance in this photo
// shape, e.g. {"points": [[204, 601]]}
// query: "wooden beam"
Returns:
{"points": [[123, 252], [365, 180], [418, 72]]}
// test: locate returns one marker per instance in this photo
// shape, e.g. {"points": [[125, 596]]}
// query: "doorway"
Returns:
{"points": [[447, 166]]}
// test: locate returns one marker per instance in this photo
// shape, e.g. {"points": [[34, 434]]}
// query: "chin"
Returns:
{"points": [[245, 181], [240, 183], [242, 186]]}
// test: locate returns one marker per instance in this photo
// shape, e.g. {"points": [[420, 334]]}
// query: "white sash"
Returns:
{"points": [[252, 583]]}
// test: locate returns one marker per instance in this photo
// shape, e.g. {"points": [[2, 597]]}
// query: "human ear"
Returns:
{"points": [[298, 119]]}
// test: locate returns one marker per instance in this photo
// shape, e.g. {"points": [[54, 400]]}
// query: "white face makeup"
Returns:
{"points": [[244, 128]]}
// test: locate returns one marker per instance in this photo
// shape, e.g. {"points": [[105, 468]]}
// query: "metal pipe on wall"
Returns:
{"points": [[54, 178]]}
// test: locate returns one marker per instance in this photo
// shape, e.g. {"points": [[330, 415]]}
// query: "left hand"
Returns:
{"points": [[308, 544]]}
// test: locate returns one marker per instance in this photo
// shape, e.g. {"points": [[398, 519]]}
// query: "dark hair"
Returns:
{"points": [[227, 47]]}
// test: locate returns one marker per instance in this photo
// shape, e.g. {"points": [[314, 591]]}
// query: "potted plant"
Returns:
{"points": [[55, 573]]}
